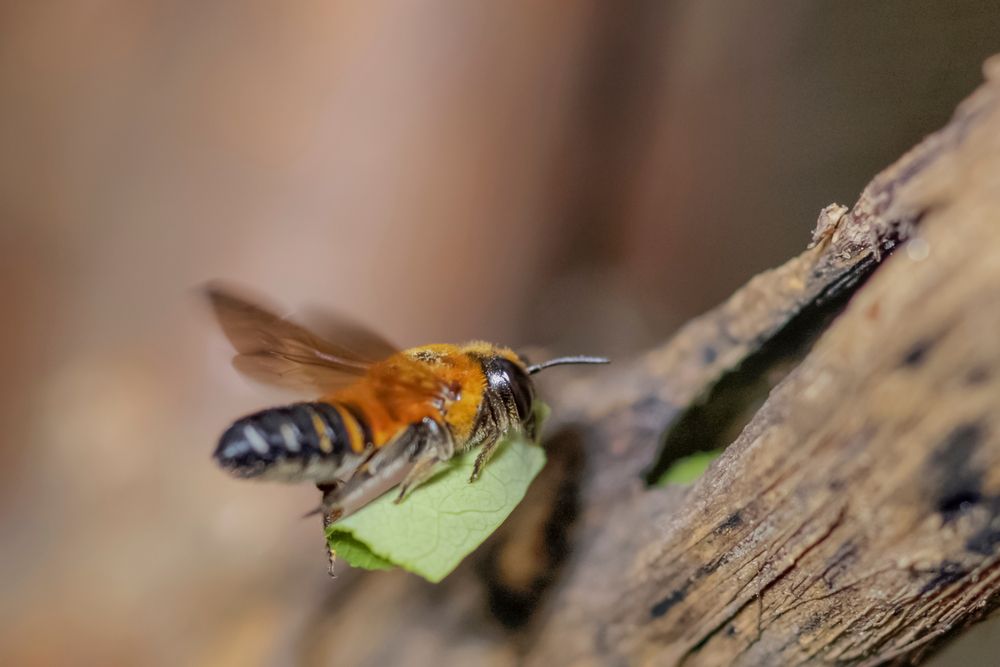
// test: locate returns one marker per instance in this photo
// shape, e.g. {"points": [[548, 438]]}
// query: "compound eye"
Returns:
{"points": [[521, 387]]}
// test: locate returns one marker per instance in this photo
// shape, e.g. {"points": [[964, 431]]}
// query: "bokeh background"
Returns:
{"points": [[581, 175]]}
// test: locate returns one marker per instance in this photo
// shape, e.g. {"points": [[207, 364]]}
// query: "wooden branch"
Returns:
{"points": [[855, 519]]}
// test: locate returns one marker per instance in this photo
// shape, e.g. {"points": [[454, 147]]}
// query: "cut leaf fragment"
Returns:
{"points": [[444, 519]]}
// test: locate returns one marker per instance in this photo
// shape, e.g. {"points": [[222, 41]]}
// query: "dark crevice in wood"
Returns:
{"points": [[513, 597], [714, 421]]}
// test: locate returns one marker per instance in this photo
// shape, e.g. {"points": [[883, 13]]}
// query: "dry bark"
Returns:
{"points": [[856, 517]]}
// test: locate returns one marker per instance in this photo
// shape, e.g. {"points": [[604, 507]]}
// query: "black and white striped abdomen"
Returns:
{"points": [[299, 442]]}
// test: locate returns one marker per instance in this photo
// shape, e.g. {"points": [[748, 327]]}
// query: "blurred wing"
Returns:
{"points": [[352, 336], [275, 350], [409, 381]]}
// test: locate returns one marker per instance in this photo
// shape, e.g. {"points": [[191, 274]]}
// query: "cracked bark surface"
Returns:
{"points": [[855, 518]]}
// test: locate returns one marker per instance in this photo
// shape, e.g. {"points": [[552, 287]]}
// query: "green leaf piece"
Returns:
{"points": [[444, 519], [688, 468], [355, 553]]}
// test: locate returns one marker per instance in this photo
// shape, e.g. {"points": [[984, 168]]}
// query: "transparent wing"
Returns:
{"points": [[276, 350]]}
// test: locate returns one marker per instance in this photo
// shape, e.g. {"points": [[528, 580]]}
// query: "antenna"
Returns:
{"points": [[564, 361]]}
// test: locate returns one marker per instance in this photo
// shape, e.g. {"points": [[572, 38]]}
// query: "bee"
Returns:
{"points": [[384, 417]]}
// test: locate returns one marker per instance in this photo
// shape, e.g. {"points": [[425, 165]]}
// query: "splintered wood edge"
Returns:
{"points": [[855, 517]]}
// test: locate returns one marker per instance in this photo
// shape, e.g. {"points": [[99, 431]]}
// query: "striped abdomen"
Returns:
{"points": [[301, 442]]}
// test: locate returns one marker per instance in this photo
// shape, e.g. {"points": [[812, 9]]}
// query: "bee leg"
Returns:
{"points": [[484, 456], [329, 490], [330, 553], [440, 447], [388, 468], [329, 487], [505, 422], [408, 460], [489, 448], [417, 476]]}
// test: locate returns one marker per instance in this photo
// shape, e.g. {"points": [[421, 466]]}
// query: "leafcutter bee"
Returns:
{"points": [[383, 418]]}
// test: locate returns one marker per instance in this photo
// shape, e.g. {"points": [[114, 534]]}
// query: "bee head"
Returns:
{"points": [[509, 375], [510, 379]]}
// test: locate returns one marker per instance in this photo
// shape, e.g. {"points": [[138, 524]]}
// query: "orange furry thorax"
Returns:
{"points": [[406, 388]]}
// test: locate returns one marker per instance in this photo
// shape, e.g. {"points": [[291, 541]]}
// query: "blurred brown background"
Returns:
{"points": [[580, 175]]}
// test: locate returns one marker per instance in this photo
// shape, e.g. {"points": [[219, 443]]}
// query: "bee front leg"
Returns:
{"points": [[491, 439], [487, 437], [489, 446], [504, 422]]}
